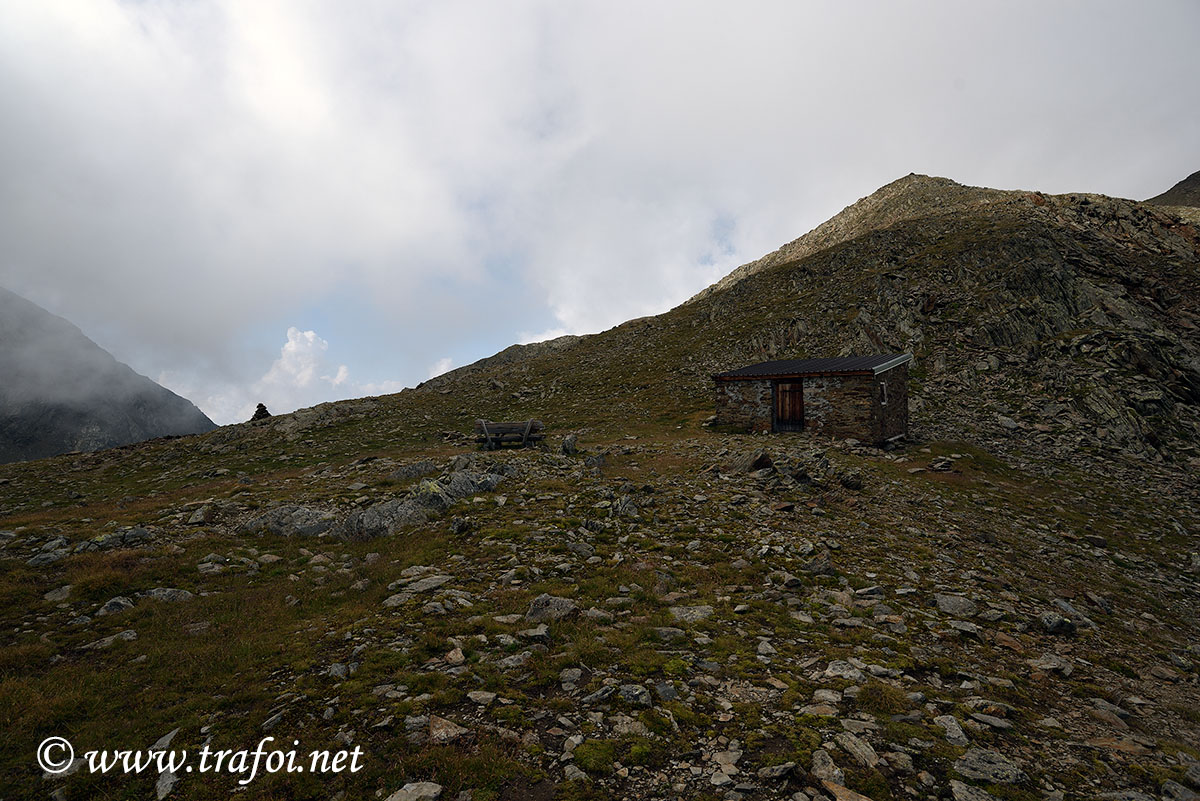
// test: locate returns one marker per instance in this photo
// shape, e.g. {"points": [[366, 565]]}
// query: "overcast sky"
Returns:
{"points": [[294, 201]]}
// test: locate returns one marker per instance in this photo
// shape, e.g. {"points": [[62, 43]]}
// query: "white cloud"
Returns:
{"points": [[182, 177], [343, 375], [371, 388], [529, 337], [297, 373], [302, 376], [442, 365]]}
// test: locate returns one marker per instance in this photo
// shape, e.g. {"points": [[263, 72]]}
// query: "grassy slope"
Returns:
{"points": [[990, 527]]}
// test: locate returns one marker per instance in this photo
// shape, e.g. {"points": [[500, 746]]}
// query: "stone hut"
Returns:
{"points": [[859, 397]]}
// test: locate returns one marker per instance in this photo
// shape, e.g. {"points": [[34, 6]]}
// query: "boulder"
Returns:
{"points": [[750, 462], [167, 594], [417, 791], [1056, 624], [114, 605], [690, 614], [291, 521], [407, 472], [989, 766], [550, 607], [955, 605]]}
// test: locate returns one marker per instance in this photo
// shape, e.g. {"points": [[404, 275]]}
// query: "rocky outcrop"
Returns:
{"points": [[291, 521], [426, 500]]}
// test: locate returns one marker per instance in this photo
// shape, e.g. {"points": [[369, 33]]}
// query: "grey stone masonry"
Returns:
{"points": [[871, 408]]}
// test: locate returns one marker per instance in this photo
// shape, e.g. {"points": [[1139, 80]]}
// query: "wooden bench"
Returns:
{"points": [[492, 434]]}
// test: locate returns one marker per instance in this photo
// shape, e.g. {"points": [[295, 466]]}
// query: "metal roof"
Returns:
{"points": [[830, 366]]}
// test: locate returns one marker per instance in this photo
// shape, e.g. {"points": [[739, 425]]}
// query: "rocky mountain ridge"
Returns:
{"points": [[1065, 325], [903, 199]]}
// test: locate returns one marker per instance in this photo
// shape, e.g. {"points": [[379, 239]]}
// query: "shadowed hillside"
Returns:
{"points": [[61, 392], [1184, 193]]}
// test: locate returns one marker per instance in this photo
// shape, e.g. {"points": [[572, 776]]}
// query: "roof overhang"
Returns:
{"points": [[902, 359], [765, 376]]}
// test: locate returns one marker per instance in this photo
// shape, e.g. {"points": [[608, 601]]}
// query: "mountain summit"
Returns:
{"points": [[60, 391], [907, 198]]}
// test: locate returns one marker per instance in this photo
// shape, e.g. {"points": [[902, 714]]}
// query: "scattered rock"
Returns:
{"points": [[990, 766], [540, 634], [417, 791], [635, 695], [954, 732], [821, 565], [690, 614], [666, 691], [965, 792], [599, 696], [860, 749], [776, 772], [841, 669], [1174, 791], [169, 594], [550, 607], [106, 642], [443, 731], [167, 780], [956, 605], [824, 768], [1056, 624]]}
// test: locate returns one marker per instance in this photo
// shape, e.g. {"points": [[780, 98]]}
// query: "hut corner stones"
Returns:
{"points": [[859, 397]]}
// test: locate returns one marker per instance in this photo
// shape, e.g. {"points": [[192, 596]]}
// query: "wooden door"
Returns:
{"points": [[789, 406]]}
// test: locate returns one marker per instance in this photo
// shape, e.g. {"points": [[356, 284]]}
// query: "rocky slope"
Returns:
{"points": [[1184, 193], [910, 197], [61, 392], [1004, 608], [1052, 326]]}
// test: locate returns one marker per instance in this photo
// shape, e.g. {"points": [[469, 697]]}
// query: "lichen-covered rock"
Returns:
{"points": [[990, 766], [291, 521]]}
